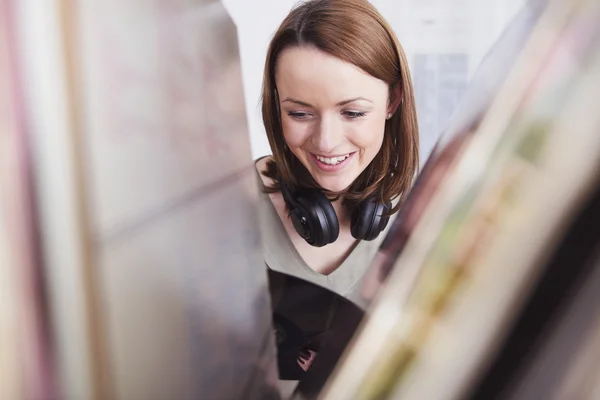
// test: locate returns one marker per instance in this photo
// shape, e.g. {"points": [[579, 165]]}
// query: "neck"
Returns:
{"points": [[341, 212]]}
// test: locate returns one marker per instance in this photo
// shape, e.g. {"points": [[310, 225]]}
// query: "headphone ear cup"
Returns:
{"points": [[369, 219], [314, 218]]}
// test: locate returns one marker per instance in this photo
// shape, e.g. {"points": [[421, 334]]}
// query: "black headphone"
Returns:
{"points": [[315, 219]]}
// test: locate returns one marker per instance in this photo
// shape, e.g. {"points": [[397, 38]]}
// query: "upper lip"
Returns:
{"points": [[332, 155]]}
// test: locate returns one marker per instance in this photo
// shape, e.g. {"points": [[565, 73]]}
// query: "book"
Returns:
{"points": [[145, 196], [479, 247]]}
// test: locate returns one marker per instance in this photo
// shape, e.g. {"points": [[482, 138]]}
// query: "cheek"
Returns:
{"points": [[295, 134], [370, 136]]}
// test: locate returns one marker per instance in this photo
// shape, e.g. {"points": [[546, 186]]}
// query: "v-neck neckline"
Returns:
{"points": [[356, 247]]}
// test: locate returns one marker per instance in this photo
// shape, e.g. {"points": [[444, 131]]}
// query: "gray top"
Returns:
{"points": [[281, 255]]}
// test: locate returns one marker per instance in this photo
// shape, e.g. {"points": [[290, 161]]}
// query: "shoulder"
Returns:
{"points": [[261, 163], [261, 166], [276, 199]]}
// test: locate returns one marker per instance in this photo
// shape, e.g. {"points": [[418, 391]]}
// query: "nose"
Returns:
{"points": [[328, 135]]}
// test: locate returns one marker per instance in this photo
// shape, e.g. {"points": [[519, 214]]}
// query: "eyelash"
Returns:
{"points": [[349, 114], [354, 114], [298, 115]]}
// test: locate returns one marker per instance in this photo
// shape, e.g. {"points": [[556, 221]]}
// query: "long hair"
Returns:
{"points": [[355, 32]]}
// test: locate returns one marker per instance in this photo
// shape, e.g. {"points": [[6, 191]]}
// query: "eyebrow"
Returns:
{"points": [[341, 103]]}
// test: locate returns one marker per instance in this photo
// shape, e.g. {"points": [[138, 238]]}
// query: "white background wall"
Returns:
{"points": [[426, 28]]}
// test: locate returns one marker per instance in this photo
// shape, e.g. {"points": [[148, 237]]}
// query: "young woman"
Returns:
{"points": [[339, 113]]}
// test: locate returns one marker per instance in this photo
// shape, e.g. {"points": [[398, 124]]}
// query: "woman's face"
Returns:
{"points": [[333, 114]]}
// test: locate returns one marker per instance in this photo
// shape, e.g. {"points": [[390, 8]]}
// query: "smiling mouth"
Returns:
{"points": [[332, 160]]}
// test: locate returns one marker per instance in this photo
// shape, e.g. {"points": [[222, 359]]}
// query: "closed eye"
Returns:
{"points": [[298, 115], [354, 114]]}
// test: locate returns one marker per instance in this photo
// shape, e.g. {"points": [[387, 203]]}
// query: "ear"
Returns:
{"points": [[395, 99]]}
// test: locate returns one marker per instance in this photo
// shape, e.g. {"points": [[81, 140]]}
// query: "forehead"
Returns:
{"points": [[307, 73]]}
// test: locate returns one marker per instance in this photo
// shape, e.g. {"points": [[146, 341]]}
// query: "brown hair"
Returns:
{"points": [[353, 31]]}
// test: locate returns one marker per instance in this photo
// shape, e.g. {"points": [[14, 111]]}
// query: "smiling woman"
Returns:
{"points": [[339, 113], [333, 114]]}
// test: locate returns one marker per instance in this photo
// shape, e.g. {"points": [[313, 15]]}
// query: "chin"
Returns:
{"points": [[337, 185]]}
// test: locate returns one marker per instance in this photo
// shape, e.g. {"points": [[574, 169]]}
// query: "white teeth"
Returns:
{"points": [[334, 160]]}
